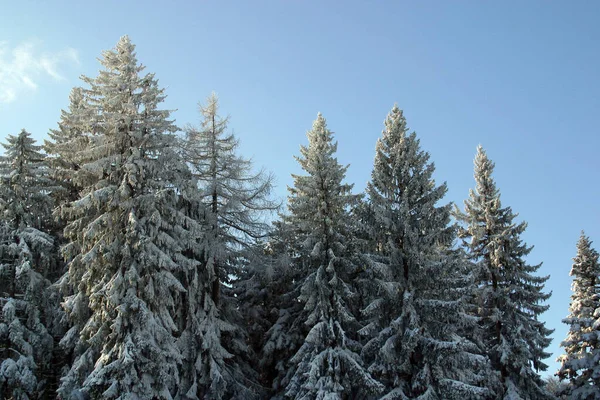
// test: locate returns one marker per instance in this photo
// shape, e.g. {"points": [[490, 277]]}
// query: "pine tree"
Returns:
{"points": [[327, 365], [27, 257], [416, 311], [509, 294], [582, 345], [127, 237], [232, 200]]}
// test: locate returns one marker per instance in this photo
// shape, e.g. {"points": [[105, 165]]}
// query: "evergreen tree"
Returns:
{"points": [[582, 345], [232, 200], [65, 145], [127, 237], [416, 310], [509, 294], [327, 365], [269, 303], [26, 258]]}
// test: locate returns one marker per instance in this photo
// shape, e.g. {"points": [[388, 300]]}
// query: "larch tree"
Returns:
{"points": [[327, 365], [416, 311], [127, 237], [509, 294], [580, 363], [232, 200], [27, 256]]}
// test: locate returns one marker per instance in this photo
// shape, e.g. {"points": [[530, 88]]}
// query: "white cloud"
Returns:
{"points": [[24, 67]]}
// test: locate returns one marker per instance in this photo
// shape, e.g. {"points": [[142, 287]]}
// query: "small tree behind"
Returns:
{"points": [[27, 256], [580, 363]]}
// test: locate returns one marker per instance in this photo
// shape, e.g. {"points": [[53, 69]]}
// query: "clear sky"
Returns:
{"points": [[519, 77]]}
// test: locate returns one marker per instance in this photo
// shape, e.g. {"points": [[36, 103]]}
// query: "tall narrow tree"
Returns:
{"points": [[26, 259], [65, 144], [233, 200], [580, 364], [416, 312], [327, 365], [127, 237], [509, 294]]}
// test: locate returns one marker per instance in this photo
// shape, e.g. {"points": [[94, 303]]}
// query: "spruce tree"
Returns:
{"points": [[65, 145], [27, 257], [127, 237], [510, 294], [580, 364], [232, 199], [327, 365], [416, 311], [268, 297]]}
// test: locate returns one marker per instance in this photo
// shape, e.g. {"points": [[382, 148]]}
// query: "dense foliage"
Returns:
{"points": [[176, 280]]}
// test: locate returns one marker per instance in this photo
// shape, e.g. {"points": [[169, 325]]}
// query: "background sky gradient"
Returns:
{"points": [[520, 78]]}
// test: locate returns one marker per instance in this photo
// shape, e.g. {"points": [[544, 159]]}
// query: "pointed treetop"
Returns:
{"points": [[586, 257], [320, 137], [212, 105], [122, 58], [319, 128], [484, 182], [18, 145], [395, 123], [483, 165], [584, 240]]}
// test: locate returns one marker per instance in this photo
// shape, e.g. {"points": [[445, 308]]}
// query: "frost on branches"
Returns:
{"points": [[327, 365], [65, 145], [415, 309], [509, 295], [26, 257], [582, 346], [127, 237], [231, 202]]}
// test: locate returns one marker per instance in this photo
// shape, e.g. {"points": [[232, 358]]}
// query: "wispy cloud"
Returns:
{"points": [[24, 67]]}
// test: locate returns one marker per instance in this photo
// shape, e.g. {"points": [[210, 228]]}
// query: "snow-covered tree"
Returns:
{"points": [[268, 300], [128, 238], [556, 387], [232, 200], [509, 295], [327, 365], [416, 311], [27, 256], [580, 363], [25, 200], [63, 147], [65, 144]]}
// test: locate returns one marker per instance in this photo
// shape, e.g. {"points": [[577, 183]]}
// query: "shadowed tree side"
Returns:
{"points": [[27, 258]]}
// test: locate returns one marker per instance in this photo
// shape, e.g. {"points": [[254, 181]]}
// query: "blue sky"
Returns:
{"points": [[520, 78]]}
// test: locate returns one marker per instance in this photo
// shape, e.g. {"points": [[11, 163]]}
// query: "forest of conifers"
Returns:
{"points": [[141, 261]]}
